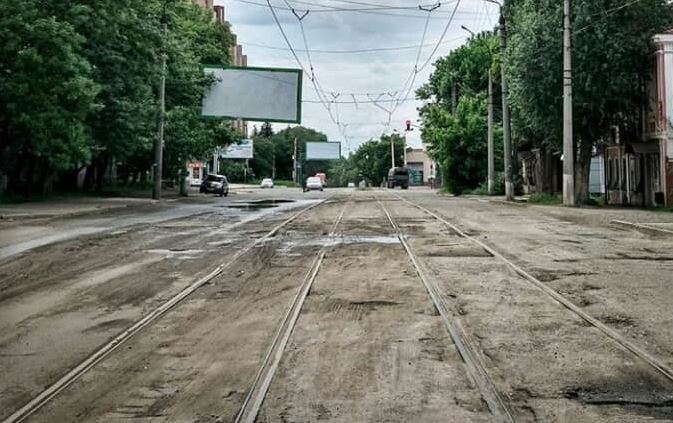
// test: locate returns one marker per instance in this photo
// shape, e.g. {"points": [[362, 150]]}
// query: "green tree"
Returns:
{"points": [[458, 141], [79, 83], [46, 94], [370, 162], [612, 61], [283, 143]]}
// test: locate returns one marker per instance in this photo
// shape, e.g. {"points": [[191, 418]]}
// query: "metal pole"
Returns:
{"points": [[491, 146], [159, 142], [392, 150], [295, 176], [507, 135], [405, 147], [568, 144]]}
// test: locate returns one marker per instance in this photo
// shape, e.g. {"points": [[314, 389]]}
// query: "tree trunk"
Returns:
{"points": [[583, 171], [101, 167]]}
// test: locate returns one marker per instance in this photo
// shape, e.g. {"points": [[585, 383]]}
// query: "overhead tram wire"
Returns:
{"points": [[416, 69], [339, 9], [354, 51], [312, 77], [418, 58]]}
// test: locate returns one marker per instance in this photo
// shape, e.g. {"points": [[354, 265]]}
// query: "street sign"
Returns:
{"points": [[244, 150], [260, 94], [323, 150]]}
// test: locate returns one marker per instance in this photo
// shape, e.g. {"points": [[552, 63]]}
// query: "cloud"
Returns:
{"points": [[371, 72]]}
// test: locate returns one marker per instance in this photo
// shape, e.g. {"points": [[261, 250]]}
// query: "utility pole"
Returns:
{"points": [[507, 132], [568, 144], [392, 150], [491, 146], [294, 162], [159, 142]]}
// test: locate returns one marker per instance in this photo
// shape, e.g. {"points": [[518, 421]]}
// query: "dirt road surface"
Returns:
{"points": [[370, 343]]}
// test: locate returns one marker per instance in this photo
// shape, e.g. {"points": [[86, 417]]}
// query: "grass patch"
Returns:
{"points": [[135, 191], [545, 199]]}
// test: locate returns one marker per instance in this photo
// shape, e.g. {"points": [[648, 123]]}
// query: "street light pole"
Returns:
{"points": [[159, 141], [568, 144], [491, 144], [506, 128]]}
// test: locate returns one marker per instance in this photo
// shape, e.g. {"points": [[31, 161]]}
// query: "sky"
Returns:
{"points": [[358, 89]]}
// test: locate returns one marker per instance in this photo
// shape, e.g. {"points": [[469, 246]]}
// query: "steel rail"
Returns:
{"points": [[75, 373], [657, 364], [643, 227], [260, 385], [475, 369]]}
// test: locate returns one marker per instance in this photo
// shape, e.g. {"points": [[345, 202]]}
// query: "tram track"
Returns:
{"points": [[75, 373], [473, 364], [634, 349], [260, 385]]}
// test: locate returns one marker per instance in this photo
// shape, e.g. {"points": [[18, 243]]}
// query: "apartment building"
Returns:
{"points": [[235, 51]]}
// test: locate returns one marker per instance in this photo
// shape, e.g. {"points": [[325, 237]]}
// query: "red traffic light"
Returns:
{"points": [[408, 123]]}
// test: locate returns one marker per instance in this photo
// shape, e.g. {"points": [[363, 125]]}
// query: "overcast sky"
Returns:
{"points": [[348, 77]]}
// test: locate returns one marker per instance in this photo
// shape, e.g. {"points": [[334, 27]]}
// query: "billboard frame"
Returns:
{"points": [[300, 80], [321, 142], [223, 151]]}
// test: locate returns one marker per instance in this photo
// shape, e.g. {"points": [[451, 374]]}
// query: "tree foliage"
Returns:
{"points": [[276, 151], [458, 141], [370, 162], [612, 62], [79, 83]]}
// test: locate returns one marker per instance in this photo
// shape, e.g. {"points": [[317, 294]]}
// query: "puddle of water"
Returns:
{"points": [[332, 241], [276, 201], [175, 252], [250, 207]]}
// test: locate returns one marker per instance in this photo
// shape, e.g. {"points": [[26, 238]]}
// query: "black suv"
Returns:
{"points": [[215, 184]]}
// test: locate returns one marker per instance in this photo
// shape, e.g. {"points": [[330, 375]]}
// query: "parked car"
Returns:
{"points": [[215, 184], [195, 182], [398, 177], [313, 183], [266, 183], [351, 185]]}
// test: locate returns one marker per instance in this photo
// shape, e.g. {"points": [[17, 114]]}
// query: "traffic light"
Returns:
{"points": [[408, 123]]}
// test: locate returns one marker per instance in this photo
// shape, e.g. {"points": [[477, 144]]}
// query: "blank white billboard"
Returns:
{"points": [[262, 94], [243, 150], [323, 150]]}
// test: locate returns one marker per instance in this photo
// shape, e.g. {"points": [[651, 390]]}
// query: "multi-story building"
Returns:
{"points": [[197, 170], [235, 51]]}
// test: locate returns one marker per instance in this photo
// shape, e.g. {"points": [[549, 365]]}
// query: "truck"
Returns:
{"points": [[323, 178], [398, 177]]}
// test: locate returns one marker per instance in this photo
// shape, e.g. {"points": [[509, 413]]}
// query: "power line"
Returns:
{"points": [[339, 9], [364, 101], [355, 51]]}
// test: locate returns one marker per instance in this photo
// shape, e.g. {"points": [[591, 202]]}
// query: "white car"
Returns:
{"points": [[313, 183], [266, 183], [351, 185]]}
